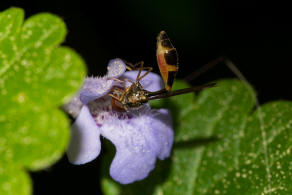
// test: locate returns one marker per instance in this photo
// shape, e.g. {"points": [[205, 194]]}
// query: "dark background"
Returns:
{"points": [[255, 35]]}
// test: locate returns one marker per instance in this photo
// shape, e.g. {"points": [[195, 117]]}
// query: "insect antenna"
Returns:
{"points": [[180, 91], [203, 69]]}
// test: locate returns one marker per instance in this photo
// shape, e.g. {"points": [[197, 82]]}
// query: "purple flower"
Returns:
{"points": [[140, 136]]}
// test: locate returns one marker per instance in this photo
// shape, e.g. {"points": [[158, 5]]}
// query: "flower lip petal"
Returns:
{"points": [[128, 167], [85, 139], [116, 68], [151, 82], [136, 147], [162, 126]]}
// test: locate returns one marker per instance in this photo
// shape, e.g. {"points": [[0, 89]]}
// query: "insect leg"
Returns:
{"points": [[203, 69], [213, 63], [120, 81], [116, 93], [123, 95], [128, 80], [140, 69], [149, 69], [231, 67], [131, 66], [113, 96]]}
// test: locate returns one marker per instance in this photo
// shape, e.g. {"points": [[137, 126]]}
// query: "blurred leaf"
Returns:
{"points": [[35, 140], [222, 146], [37, 76], [14, 181]]}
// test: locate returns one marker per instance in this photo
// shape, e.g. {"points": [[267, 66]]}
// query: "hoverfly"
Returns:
{"points": [[134, 96]]}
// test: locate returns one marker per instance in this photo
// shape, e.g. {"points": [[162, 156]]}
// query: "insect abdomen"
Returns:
{"points": [[167, 59]]}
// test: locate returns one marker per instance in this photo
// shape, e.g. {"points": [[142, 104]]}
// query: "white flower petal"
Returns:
{"points": [[116, 68], [94, 88], [85, 139]]}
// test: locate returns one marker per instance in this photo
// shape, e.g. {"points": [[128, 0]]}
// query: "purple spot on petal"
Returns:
{"points": [[99, 125]]}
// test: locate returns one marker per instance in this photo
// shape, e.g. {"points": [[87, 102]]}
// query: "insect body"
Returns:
{"points": [[126, 98], [133, 97]]}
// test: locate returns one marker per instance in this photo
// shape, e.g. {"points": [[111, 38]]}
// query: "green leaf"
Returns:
{"points": [[37, 77], [10, 26], [222, 146], [39, 66], [265, 160], [14, 181], [35, 140]]}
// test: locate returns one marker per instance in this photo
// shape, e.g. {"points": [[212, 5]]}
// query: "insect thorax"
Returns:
{"points": [[135, 96]]}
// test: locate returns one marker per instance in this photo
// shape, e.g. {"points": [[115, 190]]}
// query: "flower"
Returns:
{"points": [[140, 136]]}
